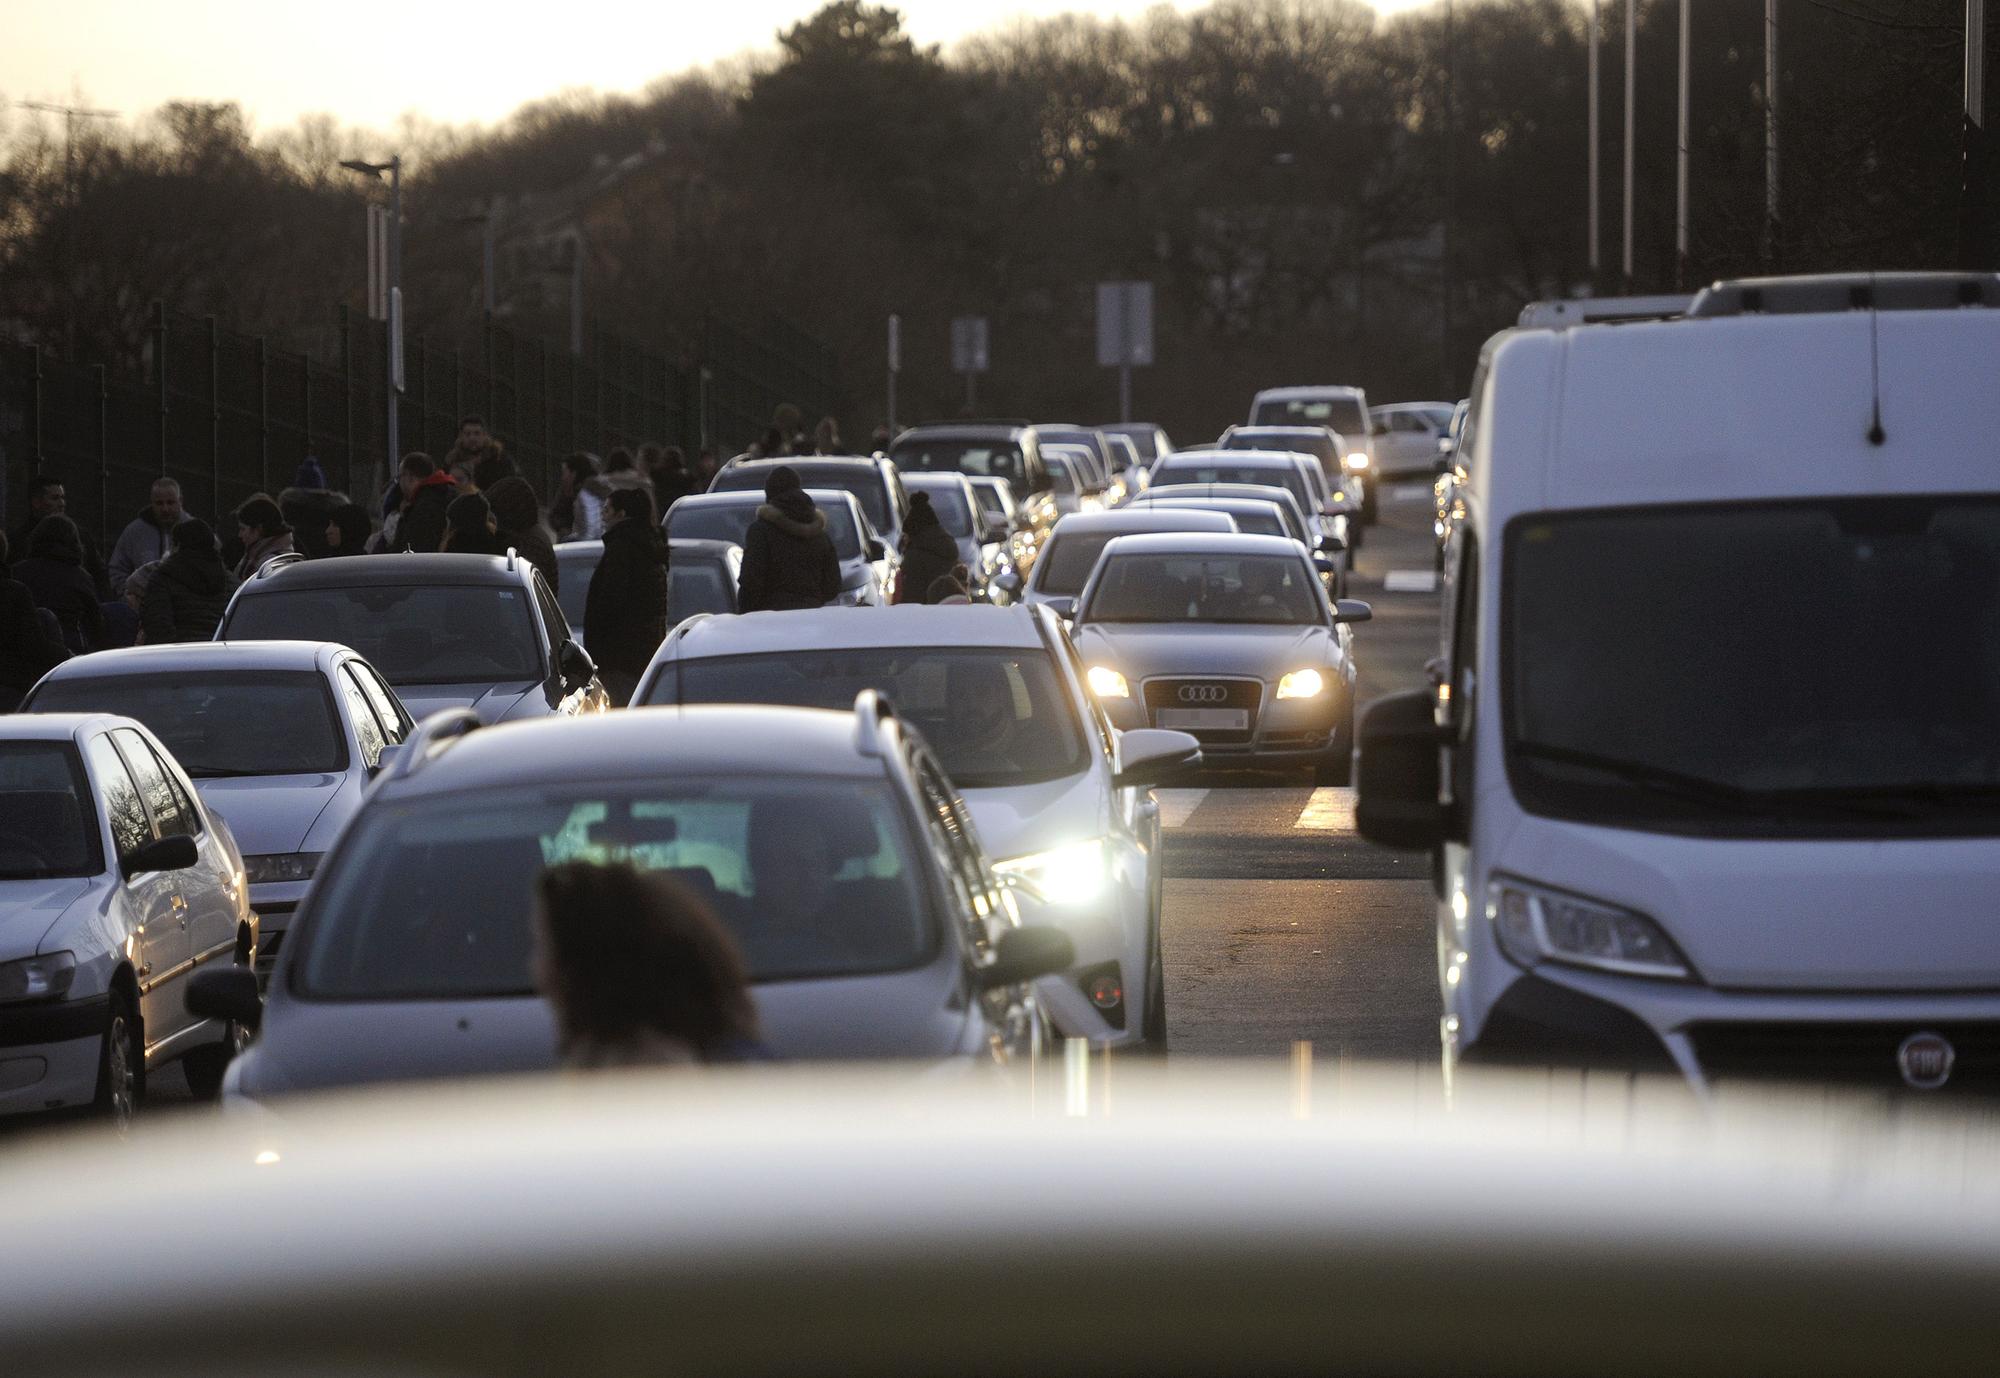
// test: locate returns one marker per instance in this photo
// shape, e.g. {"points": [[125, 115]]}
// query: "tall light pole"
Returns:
{"points": [[1975, 222], [1596, 29], [1770, 132], [1681, 162], [1631, 114], [393, 353]]}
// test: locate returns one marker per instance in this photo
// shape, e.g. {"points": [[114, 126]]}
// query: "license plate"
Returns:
{"points": [[1215, 719]]}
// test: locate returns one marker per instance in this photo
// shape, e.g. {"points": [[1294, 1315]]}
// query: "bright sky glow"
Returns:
{"points": [[367, 62]]}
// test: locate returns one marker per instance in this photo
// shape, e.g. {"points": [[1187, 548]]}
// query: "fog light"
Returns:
{"points": [[1107, 993]]}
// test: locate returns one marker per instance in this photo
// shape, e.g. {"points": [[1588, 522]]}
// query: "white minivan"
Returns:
{"points": [[1711, 759]]}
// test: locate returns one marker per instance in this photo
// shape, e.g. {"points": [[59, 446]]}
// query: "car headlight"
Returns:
{"points": [[1074, 874], [37, 978], [1302, 684], [279, 866], [1535, 925], [1357, 462], [1107, 683]]}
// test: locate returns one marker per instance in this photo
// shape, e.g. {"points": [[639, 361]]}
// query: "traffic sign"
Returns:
{"points": [[1124, 324], [968, 344]]}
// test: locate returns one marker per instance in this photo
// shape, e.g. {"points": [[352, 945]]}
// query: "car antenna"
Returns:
{"points": [[1876, 435]]}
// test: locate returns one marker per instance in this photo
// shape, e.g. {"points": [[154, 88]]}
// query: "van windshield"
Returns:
{"points": [[1775, 669]]}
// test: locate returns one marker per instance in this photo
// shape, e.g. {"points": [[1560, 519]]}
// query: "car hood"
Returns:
{"points": [[491, 702], [1148, 649], [30, 908], [1020, 819], [270, 814]]}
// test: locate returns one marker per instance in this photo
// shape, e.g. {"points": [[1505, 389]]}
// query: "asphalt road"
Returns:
{"points": [[1281, 923]]}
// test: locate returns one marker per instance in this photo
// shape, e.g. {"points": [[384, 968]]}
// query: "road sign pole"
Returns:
{"points": [[895, 366]]}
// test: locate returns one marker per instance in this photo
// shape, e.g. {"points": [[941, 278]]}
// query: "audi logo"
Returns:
{"points": [[1204, 693]]}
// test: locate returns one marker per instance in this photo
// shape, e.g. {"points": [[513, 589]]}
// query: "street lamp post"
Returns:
{"points": [[392, 355]]}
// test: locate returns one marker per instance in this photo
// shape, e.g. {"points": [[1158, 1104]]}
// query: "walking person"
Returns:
{"points": [[427, 493], [625, 608], [576, 514], [470, 528], [190, 590], [265, 534], [148, 536], [518, 513], [55, 578], [27, 649], [929, 552], [671, 479], [788, 559], [638, 971]]}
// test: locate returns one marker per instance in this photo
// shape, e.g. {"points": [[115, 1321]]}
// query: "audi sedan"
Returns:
{"points": [[1230, 638]]}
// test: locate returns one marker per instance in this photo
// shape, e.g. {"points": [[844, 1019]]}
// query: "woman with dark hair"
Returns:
{"points": [[347, 530], [671, 479], [638, 971], [469, 528], [929, 552], [625, 609], [57, 580], [574, 512], [517, 513], [190, 590], [265, 533]]}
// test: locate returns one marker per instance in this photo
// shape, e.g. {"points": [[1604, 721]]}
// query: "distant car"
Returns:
{"points": [[1011, 540], [1253, 516], [1009, 451], [1077, 541], [1346, 464], [1150, 441], [1406, 443], [1000, 696], [1070, 482], [1126, 461], [280, 737], [1299, 474], [830, 844], [447, 631], [957, 508], [1230, 638], [116, 883], [868, 562], [873, 480], [1448, 491], [701, 577], [1292, 513], [1344, 409]]}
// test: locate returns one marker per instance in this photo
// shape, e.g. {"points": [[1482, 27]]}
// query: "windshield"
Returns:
{"points": [[1262, 589], [1251, 518], [1776, 658], [994, 717], [730, 521], [48, 823], [430, 634], [952, 511], [237, 722], [1343, 413], [814, 878], [1062, 478], [1175, 472], [999, 459], [862, 481]]}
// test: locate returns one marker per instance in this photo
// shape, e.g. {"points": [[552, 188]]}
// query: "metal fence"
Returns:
{"points": [[228, 416]]}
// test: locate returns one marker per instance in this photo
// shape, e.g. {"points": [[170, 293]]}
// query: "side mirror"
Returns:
{"points": [[575, 665], [1397, 779], [387, 759], [1150, 755], [1026, 954], [1352, 610], [226, 993], [162, 854], [1065, 608], [876, 550]]}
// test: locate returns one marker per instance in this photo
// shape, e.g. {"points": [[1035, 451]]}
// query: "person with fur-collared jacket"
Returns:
{"points": [[788, 559]]}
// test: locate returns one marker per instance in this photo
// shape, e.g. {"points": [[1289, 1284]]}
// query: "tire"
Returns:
{"points": [[1339, 770], [1153, 1025], [121, 1065]]}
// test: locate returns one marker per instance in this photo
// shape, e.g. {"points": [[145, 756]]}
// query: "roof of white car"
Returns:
{"points": [[1310, 429], [1140, 517], [199, 656], [952, 624], [1202, 543], [54, 727], [754, 497], [1329, 390], [1211, 458], [915, 480]]}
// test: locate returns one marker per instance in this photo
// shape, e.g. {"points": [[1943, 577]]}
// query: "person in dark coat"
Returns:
{"points": [[788, 559], [54, 573], [264, 532], [27, 649], [188, 594], [929, 552], [427, 493], [518, 513], [469, 527], [347, 530], [48, 498], [671, 479], [625, 609]]}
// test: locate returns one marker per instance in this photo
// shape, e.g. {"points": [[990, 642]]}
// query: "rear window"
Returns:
{"points": [[413, 634], [1174, 472], [950, 506], [48, 823], [865, 483], [698, 586], [240, 722], [730, 521], [973, 458], [1344, 414]]}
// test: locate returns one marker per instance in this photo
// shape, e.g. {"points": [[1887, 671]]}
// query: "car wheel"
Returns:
{"points": [[120, 1065], [1338, 769]]}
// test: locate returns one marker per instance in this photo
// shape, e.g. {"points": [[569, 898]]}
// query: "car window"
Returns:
{"points": [[367, 731], [695, 586], [48, 820], [1244, 589], [553, 620], [131, 829], [1176, 472], [951, 842], [389, 710], [412, 633], [218, 723], [576, 567], [169, 809], [730, 521]]}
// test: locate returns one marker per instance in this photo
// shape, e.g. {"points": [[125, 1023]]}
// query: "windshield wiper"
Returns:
{"points": [[1701, 789]]}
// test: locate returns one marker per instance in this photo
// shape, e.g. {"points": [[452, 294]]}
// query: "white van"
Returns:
{"points": [[1711, 763]]}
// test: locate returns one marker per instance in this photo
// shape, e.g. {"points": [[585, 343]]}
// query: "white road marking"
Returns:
{"points": [[1410, 581], [1330, 809], [1412, 492], [1177, 804]]}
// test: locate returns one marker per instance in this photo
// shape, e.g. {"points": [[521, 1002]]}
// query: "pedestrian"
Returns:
{"points": [[427, 493], [122, 618], [671, 479], [55, 577], [788, 559], [148, 536], [880, 441], [265, 535], [826, 437], [574, 515], [27, 649], [518, 513], [48, 498], [346, 531], [707, 464], [771, 445], [955, 587], [621, 473], [470, 528], [492, 466], [625, 608], [473, 442], [187, 596], [310, 477], [638, 971], [928, 551]]}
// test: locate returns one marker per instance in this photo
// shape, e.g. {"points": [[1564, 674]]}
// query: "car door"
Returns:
{"points": [[148, 904], [207, 889]]}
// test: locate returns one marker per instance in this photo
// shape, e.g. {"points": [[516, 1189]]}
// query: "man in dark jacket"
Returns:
{"points": [[48, 498], [54, 574], [27, 649], [469, 527], [788, 559], [427, 495], [625, 610], [148, 536], [929, 552], [519, 514], [188, 594]]}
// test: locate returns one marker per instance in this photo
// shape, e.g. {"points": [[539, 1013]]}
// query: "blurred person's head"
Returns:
{"points": [[415, 468], [137, 582], [259, 519], [461, 478], [982, 703], [347, 530], [55, 537], [578, 469], [628, 504], [165, 503], [492, 466], [515, 506], [826, 436], [472, 433], [469, 515], [620, 461], [197, 538], [47, 497], [673, 462]]}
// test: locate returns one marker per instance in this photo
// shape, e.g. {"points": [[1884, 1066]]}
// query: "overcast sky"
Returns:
{"points": [[368, 61]]}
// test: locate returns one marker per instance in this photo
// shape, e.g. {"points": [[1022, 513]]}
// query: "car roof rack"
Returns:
{"points": [[279, 561], [1833, 293], [433, 734], [871, 710]]}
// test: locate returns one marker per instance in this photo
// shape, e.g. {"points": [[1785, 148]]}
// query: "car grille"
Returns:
{"points": [[1246, 694], [1845, 1054]]}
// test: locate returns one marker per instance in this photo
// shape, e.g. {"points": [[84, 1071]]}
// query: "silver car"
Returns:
{"points": [[829, 843], [280, 737], [702, 576], [1326, 512], [1231, 638], [957, 508], [1073, 547], [868, 561]]}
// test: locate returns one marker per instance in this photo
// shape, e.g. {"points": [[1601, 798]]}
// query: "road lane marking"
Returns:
{"points": [[1177, 804], [1410, 581], [1331, 809]]}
